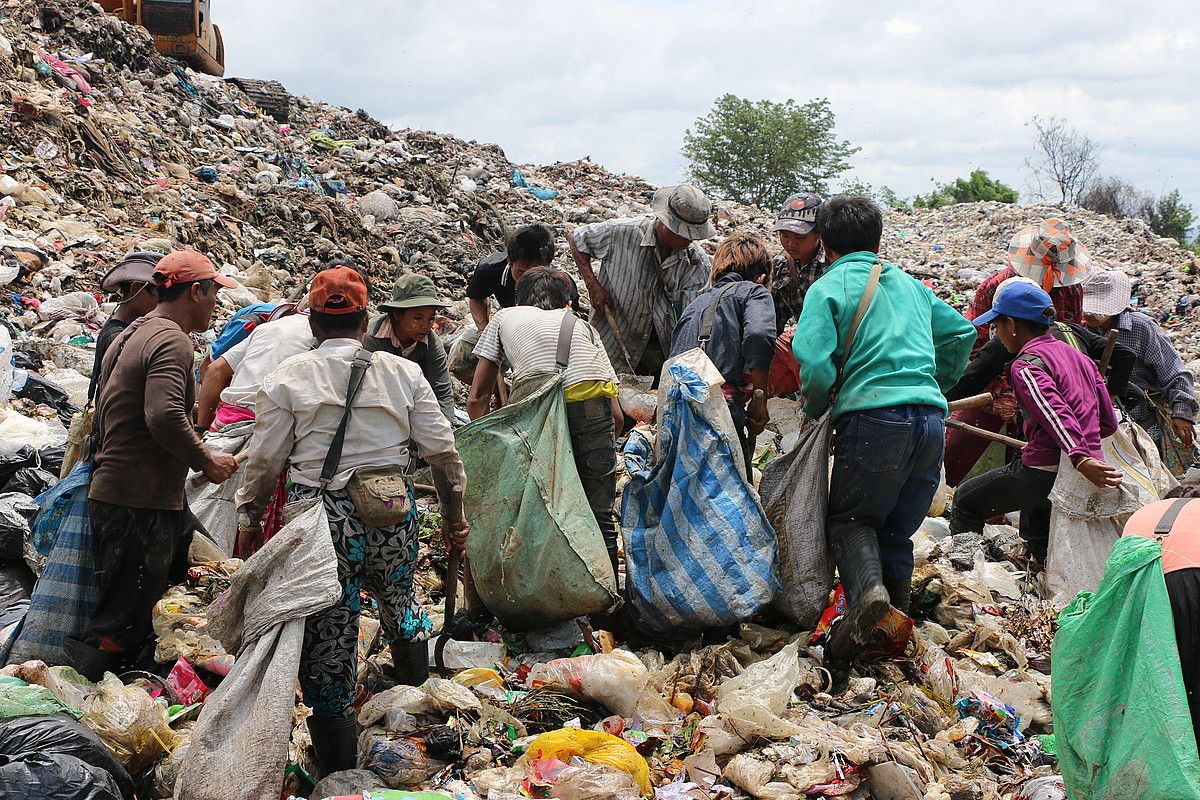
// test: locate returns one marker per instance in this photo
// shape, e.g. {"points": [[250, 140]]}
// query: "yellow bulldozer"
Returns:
{"points": [[182, 29]]}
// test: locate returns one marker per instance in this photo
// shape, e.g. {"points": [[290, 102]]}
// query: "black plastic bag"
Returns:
{"points": [[52, 459], [39, 390], [16, 583], [31, 481], [16, 510], [22, 738], [9, 464], [55, 776]]}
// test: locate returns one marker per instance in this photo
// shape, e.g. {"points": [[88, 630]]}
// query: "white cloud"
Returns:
{"points": [[901, 26], [929, 94]]}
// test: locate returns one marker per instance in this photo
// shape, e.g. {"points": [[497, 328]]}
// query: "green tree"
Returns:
{"points": [[760, 152], [978, 187], [1169, 216]]}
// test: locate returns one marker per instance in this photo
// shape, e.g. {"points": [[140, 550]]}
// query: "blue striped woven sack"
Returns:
{"points": [[699, 551]]}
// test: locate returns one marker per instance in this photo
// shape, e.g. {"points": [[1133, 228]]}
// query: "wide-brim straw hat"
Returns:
{"points": [[1049, 254]]}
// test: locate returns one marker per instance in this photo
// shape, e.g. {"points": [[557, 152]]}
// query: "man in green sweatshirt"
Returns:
{"points": [[887, 408]]}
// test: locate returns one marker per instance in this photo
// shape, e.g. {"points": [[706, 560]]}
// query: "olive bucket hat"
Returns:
{"points": [[685, 210], [413, 291]]}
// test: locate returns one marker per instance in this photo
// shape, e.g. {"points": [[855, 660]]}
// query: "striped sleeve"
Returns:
{"points": [[1037, 394]]}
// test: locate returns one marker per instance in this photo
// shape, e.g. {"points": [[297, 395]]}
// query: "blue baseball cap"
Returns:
{"points": [[1020, 300]]}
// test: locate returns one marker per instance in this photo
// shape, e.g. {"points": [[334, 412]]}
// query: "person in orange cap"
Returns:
{"points": [[302, 422], [145, 440]]}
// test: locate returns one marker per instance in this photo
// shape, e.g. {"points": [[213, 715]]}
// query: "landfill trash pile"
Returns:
{"points": [[108, 148]]}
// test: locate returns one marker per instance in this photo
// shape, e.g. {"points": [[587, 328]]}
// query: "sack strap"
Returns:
{"points": [[1167, 522], [358, 369], [864, 303], [710, 316], [566, 332]]}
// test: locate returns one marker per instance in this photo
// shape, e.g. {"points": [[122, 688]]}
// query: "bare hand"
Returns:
{"points": [[249, 540], [1005, 407], [220, 467], [1099, 473], [455, 534], [757, 415], [599, 296], [1185, 430]]}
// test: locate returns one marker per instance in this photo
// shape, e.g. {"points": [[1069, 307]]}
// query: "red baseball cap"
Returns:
{"points": [[339, 290], [185, 266]]}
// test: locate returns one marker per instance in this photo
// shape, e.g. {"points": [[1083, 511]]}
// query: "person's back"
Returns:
{"points": [[909, 347], [259, 354]]}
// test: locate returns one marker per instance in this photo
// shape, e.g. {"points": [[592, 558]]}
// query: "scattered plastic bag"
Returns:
{"points": [[185, 684], [56, 776], [399, 760], [594, 782], [750, 703], [58, 734], [435, 696], [67, 685], [594, 747], [347, 783], [1048, 787], [20, 699], [618, 679], [132, 724]]}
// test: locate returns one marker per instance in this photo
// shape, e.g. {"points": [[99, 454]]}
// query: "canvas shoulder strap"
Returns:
{"points": [[566, 333], [864, 303], [358, 369], [710, 317]]}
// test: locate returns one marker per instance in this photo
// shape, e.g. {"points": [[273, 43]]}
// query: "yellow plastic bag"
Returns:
{"points": [[132, 724], [594, 747]]}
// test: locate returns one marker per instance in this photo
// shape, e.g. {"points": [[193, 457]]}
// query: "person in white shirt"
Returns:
{"points": [[527, 335], [298, 410]]}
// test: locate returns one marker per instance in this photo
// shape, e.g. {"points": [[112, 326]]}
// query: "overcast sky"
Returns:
{"points": [[926, 89]]}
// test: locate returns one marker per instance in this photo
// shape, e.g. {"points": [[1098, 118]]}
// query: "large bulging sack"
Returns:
{"points": [[1121, 716], [795, 493], [1085, 521], [536, 552], [699, 550]]}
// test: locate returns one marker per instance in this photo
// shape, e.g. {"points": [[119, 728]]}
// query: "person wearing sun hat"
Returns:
{"points": [[1162, 390], [145, 442], [405, 328], [132, 281], [652, 269], [1068, 411], [1047, 253], [299, 411]]}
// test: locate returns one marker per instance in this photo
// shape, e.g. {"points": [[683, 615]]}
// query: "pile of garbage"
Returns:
{"points": [[961, 712], [109, 147]]}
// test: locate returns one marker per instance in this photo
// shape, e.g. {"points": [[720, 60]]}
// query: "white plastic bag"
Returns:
{"points": [[750, 703], [618, 679]]}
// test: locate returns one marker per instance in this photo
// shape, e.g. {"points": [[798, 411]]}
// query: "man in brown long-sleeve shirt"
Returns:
{"points": [[145, 445]]}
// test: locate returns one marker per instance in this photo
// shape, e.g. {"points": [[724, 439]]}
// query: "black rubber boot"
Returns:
{"points": [[901, 594], [91, 662], [410, 662], [857, 557], [335, 743]]}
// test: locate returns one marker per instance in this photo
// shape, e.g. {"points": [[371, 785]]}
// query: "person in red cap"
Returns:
{"points": [[144, 444], [333, 448]]}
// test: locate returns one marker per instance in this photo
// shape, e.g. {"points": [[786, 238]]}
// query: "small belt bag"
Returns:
{"points": [[381, 495]]}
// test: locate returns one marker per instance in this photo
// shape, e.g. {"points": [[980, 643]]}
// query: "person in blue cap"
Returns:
{"points": [[1067, 410]]}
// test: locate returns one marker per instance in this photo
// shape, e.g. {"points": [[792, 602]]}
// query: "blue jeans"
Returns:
{"points": [[886, 468]]}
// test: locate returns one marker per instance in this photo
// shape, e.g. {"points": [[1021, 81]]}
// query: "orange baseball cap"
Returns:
{"points": [[185, 266], [339, 290]]}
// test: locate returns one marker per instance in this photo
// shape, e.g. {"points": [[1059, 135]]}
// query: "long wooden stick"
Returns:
{"points": [[199, 479], [1110, 344], [980, 432], [616, 332], [974, 401]]}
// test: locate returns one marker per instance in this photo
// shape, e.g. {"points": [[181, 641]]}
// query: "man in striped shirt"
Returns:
{"points": [[1068, 411], [652, 269]]}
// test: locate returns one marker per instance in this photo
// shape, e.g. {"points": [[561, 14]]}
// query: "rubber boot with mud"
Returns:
{"points": [[857, 558], [410, 663], [91, 662], [335, 743]]}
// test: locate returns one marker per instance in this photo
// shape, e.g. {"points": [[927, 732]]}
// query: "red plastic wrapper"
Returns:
{"points": [[784, 377], [832, 615], [185, 684]]}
